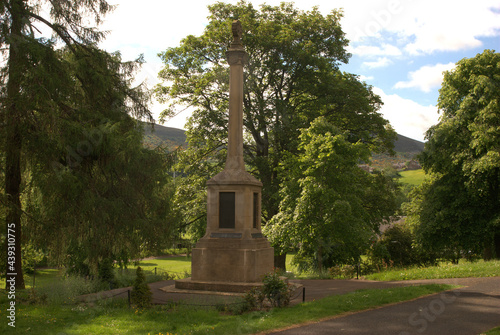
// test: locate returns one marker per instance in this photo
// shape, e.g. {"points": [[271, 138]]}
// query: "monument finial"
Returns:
{"points": [[237, 32]]}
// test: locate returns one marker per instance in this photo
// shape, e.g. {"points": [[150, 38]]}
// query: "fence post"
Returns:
{"points": [[34, 272], [128, 294], [303, 294], [155, 270]]}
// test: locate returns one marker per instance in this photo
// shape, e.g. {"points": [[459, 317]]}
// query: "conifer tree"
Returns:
{"points": [[44, 86]]}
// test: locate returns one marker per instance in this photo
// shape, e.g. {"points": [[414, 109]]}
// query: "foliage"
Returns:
{"points": [[106, 273], [330, 208], [460, 207], [276, 289], [36, 88], [31, 258], [291, 78], [254, 298], [343, 271], [77, 178], [141, 295]]}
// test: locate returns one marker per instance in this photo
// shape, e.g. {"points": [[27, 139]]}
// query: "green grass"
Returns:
{"points": [[176, 266], [444, 270], [494, 331], [412, 177], [179, 265], [43, 277], [116, 318]]}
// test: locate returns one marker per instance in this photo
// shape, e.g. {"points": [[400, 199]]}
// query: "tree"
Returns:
{"points": [[50, 94], [141, 295], [331, 208], [292, 78], [460, 207]]}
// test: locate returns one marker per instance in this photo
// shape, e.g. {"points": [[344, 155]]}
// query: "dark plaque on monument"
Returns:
{"points": [[227, 207]]}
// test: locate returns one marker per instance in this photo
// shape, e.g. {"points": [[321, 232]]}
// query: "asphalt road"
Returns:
{"points": [[470, 310]]}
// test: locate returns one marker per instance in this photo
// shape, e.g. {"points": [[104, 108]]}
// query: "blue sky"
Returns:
{"points": [[400, 47]]}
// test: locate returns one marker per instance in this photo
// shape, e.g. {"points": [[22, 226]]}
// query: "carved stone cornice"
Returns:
{"points": [[236, 56]]}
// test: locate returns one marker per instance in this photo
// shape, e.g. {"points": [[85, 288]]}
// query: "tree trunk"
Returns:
{"points": [[13, 143], [496, 243], [280, 262], [320, 259]]}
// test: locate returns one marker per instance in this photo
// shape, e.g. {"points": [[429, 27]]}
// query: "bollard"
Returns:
{"points": [[34, 271], [128, 294], [304, 294]]}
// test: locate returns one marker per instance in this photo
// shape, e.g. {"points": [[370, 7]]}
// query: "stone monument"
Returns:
{"points": [[233, 255]]}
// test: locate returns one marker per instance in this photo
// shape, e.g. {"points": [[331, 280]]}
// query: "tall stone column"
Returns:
{"points": [[236, 57]]}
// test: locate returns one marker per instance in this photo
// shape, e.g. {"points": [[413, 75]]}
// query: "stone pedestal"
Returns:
{"points": [[233, 250]]}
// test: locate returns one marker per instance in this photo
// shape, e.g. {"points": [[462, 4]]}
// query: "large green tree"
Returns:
{"points": [[460, 207], [331, 209], [56, 93], [292, 77]]}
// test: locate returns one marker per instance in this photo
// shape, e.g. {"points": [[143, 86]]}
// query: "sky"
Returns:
{"points": [[399, 47]]}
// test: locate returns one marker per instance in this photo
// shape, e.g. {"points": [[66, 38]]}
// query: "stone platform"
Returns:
{"points": [[188, 285]]}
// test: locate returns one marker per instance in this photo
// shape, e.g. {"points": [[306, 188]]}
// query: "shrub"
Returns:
{"points": [[106, 273], [276, 289], [254, 298], [344, 271], [141, 295]]}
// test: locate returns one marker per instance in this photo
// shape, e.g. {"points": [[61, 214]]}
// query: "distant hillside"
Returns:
{"points": [[171, 138], [405, 144], [406, 150], [161, 136]]}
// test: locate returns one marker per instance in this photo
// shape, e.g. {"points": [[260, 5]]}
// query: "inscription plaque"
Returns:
{"points": [[227, 210]]}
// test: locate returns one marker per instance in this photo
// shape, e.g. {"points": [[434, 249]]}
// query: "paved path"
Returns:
{"points": [[467, 311]]}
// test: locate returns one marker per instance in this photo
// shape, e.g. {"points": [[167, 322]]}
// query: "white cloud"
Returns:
{"points": [[383, 50], [423, 26], [426, 78], [406, 116], [381, 62], [365, 78]]}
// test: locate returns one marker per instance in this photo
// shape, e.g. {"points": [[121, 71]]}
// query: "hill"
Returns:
{"points": [[161, 136], [172, 138], [406, 144]]}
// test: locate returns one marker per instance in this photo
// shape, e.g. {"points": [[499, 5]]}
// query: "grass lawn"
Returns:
{"points": [[180, 266], [42, 277], [495, 331], [115, 318], [444, 270], [412, 177]]}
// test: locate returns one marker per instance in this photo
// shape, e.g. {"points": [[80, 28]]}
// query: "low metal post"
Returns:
{"points": [[128, 294], [303, 294]]}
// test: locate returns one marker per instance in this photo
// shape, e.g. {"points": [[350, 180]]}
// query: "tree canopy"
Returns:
{"points": [[460, 207], [70, 147], [292, 78], [331, 209]]}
